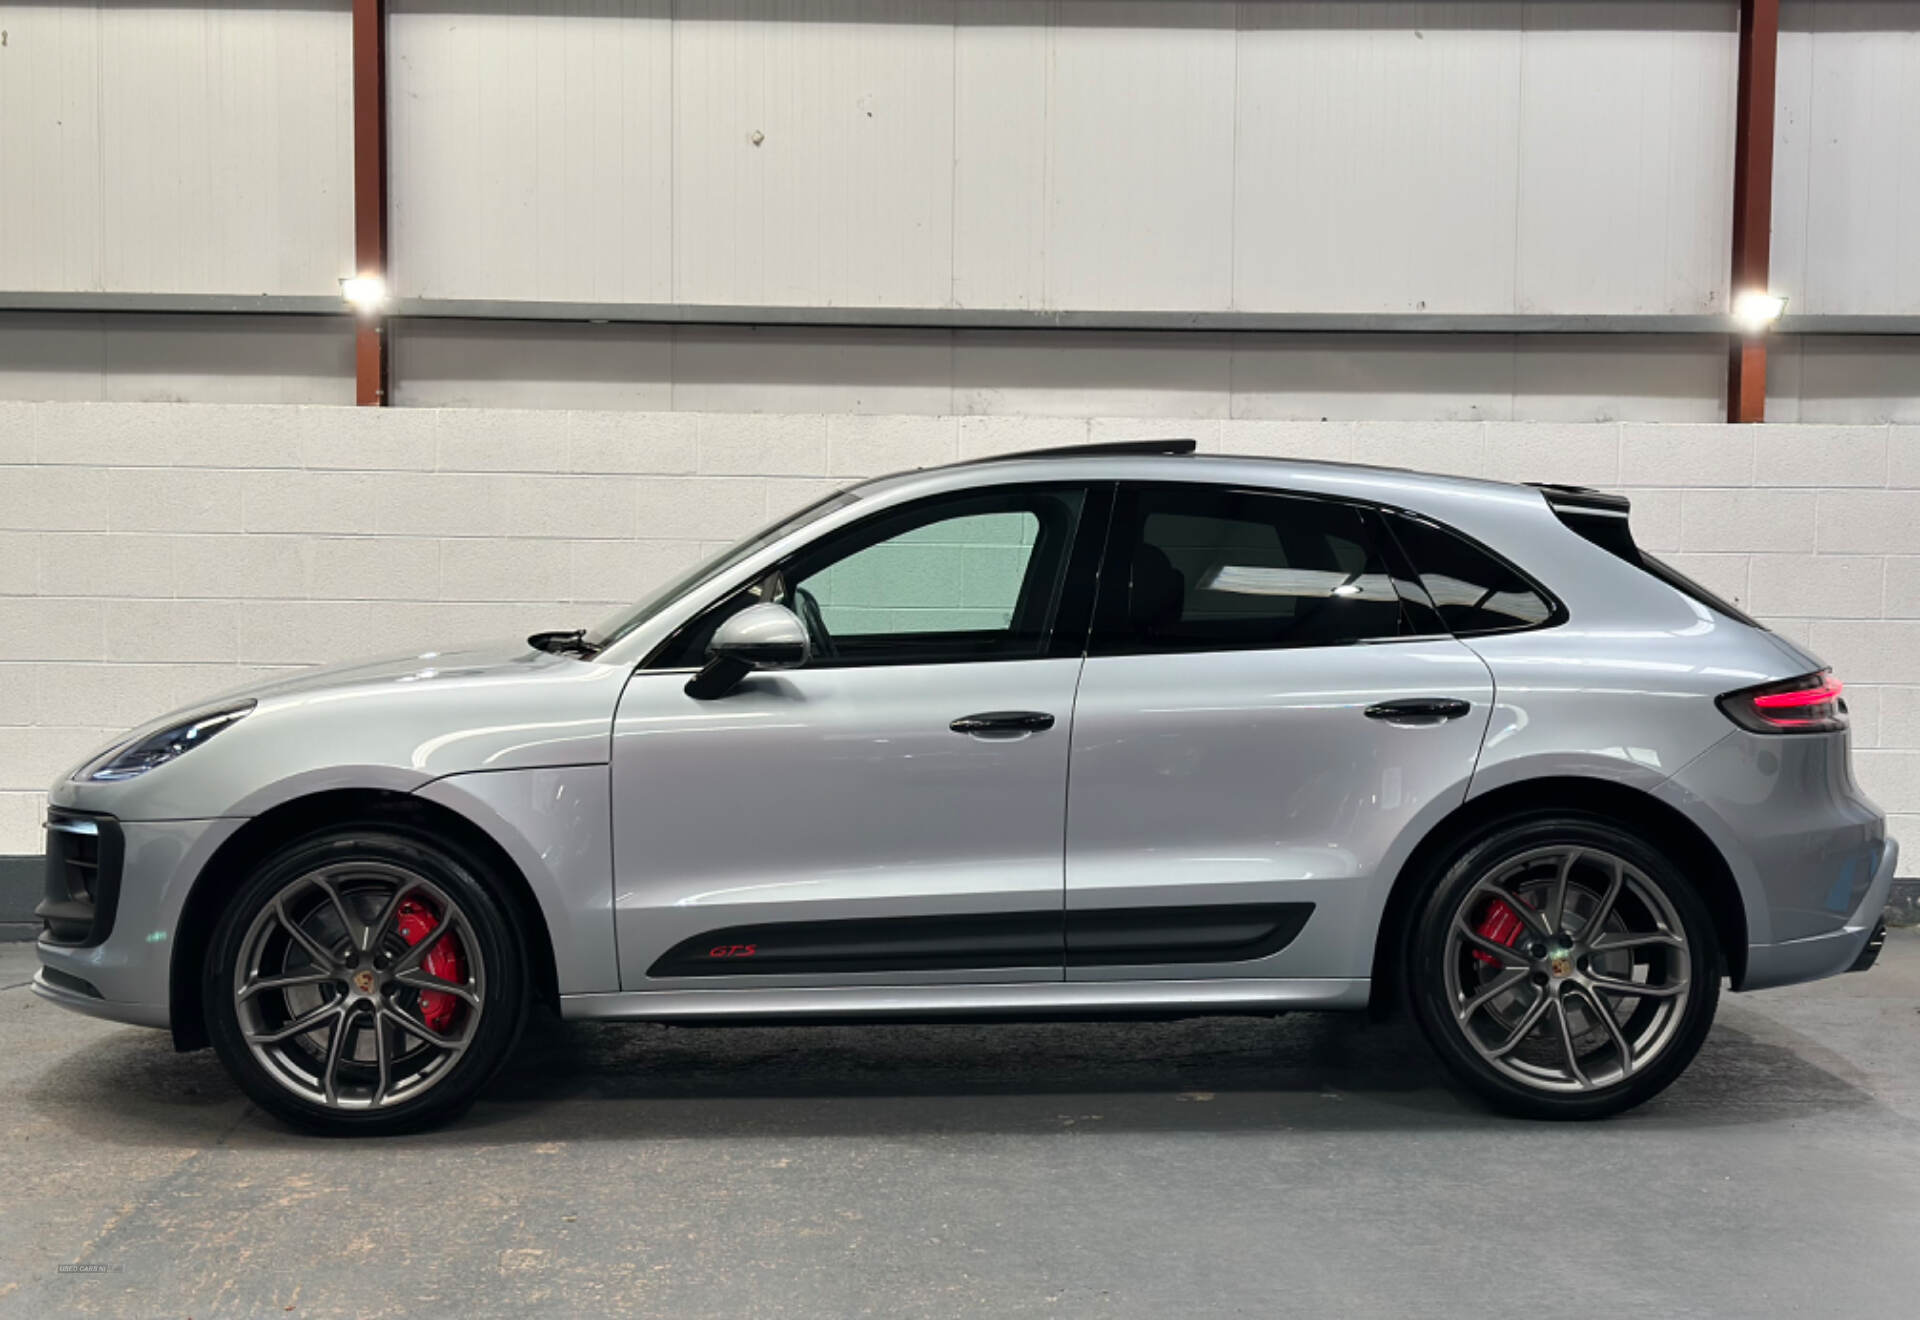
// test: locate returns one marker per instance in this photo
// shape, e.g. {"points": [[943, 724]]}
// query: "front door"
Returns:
{"points": [[892, 812], [1259, 733]]}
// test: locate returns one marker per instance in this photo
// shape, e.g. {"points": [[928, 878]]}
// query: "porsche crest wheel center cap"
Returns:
{"points": [[1562, 965], [363, 981]]}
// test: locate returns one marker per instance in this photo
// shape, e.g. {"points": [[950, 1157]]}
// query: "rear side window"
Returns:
{"points": [[1474, 592], [1203, 568]]}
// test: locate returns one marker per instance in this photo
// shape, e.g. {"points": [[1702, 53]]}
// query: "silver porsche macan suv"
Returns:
{"points": [[1117, 730]]}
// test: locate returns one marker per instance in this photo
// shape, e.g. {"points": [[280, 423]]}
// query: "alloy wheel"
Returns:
{"points": [[1567, 969], [359, 985]]}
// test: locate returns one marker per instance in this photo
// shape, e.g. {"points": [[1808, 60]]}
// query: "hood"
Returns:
{"points": [[503, 659]]}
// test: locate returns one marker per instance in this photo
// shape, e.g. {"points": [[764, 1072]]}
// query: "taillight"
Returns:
{"points": [[1808, 704]]}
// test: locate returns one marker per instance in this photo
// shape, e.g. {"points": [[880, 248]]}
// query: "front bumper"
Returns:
{"points": [[129, 970]]}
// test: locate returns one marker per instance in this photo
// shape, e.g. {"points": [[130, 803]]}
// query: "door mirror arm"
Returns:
{"points": [[765, 636]]}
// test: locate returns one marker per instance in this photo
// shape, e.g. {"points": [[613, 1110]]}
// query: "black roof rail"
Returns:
{"points": [[1108, 449]]}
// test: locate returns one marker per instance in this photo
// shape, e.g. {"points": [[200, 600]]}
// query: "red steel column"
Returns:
{"points": [[370, 192], [1752, 199]]}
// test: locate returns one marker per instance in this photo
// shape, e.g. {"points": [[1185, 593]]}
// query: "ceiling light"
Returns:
{"points": [[367, 293], [1756, 310]]}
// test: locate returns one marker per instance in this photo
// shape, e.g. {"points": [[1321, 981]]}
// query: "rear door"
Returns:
{"points": [[1261, 731]]}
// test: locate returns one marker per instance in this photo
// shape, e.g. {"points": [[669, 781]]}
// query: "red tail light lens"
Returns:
{"points": [[1808, 704]]}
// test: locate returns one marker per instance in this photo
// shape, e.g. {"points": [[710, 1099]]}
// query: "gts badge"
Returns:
{"points": [[732, 951]]}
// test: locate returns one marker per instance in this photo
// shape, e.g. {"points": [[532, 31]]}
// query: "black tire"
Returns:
{"points": [[383, 846], [1455, 885]]}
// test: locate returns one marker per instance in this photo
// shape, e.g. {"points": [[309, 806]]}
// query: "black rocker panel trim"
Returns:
{"points": [[1215, 932], [1103, 936]]}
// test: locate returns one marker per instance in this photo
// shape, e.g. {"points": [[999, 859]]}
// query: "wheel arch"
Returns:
{"points": [[232, 861], [1631, 807]]}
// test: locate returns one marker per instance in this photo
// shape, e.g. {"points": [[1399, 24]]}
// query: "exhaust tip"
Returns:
{"points": [[1871, 953]]}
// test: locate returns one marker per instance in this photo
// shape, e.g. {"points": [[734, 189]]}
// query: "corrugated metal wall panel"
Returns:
{"points": [[1846, 187], [1071, 154], [813, 152], [1626, 156], [158, 149], [1377, 157], [532, 150]]}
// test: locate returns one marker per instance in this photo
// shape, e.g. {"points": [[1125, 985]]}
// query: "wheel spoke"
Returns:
{"points": [[1524, 1028], [1566, 1042], [265, 983], [379, 1025], [414, 1026], [1557, 918], [347, 922], [377, 929], [1620, 1045], [300, 1026], [425, 980], [1498, 986], [1615, 943], [1597, 921], [329, 1080], [411, 959], [1503, 954], [1615, 986], [322, 957], [1530, 916]]}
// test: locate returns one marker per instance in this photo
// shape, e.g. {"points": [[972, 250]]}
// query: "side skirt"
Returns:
{"points": [[1012, 1001]]}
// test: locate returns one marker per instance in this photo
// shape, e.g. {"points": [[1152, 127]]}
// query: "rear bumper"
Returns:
{"points": [[1808, 851], [1824, 955]]}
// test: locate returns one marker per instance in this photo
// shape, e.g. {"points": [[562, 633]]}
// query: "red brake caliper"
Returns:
{"points": [[415, 921], [1502, 925]]}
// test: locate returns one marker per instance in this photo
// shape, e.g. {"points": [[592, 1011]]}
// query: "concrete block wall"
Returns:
{"points": [[153, 554]]}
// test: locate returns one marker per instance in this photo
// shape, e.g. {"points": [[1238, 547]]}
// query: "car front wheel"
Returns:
{"points": [[365, 980], [1563, 966]]}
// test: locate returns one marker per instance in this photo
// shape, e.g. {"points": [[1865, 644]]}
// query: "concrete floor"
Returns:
{"points": [[1311, 1166]]}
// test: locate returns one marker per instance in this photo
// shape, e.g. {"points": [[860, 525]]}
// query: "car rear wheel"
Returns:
{"points": [[365, 980], [1563, 966]]}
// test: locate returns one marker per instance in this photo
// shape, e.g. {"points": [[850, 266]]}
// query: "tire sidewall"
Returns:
{"points": [[462, 877], [1425, 957]]}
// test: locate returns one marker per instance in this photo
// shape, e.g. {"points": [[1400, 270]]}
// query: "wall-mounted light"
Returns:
{"points": [[1756, 310], [367, 293]]}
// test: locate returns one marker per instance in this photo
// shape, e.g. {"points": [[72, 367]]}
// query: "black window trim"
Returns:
{"points": [[1073, 619]]}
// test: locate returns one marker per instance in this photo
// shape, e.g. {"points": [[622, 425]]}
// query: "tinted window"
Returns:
{"points": [[1198, 568], [1474, 592]]}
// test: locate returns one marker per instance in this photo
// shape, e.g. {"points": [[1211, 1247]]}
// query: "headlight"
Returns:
{"points": [[156, 749]]}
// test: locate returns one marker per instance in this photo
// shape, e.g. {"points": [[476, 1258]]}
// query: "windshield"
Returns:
{"points": [[610, 630]]}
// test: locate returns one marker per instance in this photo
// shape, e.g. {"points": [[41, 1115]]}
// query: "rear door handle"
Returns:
{"points": [[1003, 721], [1419, 710]]}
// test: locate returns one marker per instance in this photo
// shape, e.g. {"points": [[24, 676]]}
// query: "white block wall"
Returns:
{"points": [[151, 554]]}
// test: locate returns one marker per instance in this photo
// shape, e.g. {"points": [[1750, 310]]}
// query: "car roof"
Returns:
{"points": [[1178, 459]]}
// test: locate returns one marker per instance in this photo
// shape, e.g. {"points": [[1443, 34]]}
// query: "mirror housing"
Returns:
{"points": [[764, 636]]}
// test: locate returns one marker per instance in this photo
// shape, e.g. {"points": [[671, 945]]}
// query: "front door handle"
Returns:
{"points": [[1419, 710], [1003, 721]]}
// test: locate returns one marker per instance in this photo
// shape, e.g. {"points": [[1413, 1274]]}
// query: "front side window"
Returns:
{"points": [[973, 576], [1200, 568]]}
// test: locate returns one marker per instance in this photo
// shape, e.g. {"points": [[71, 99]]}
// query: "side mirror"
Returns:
{"points": [[764, 636]]}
